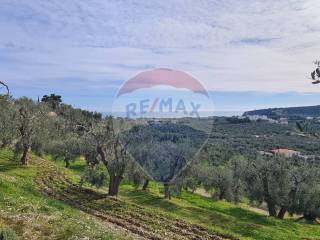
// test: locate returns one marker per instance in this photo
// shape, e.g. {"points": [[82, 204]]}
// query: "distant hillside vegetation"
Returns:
{"points": [[290, 112]]}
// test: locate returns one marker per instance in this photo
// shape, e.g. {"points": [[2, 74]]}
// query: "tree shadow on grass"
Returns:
{"points": [[148, 199], [244, 215], [248, 216], [77, 168], [9, 163], [8, 167], [248, 223]]}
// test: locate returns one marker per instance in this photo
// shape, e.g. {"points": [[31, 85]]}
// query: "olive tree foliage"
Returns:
{"points": [[224, 181], [278, 182], [293, 175], [263, 183], [103, 145], [188, 179], [286, 185], [66, 131], [68, 147], [218, 180], [303, 196], [31, 124], [307, 202], [135, 175], [307, 196], [164, 150], [96, 175], [8, 131]]}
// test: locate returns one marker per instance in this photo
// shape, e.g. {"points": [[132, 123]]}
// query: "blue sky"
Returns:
{"points": [[248, 54]]}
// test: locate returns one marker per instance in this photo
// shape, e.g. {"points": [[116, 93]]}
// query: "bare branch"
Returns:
{"points": [[6, 86]]}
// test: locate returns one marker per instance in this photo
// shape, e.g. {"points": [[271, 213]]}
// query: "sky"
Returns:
{"points": [[248, 54]]}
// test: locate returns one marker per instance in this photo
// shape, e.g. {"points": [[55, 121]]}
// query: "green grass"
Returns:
{"points": [[222, 217], [33, 216], [76, 167]]}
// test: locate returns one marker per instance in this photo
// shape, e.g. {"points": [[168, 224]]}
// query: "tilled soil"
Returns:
{"points": [[141, 222]]}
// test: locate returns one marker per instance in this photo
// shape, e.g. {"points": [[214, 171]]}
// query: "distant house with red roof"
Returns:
{"points": [[285, 152]]}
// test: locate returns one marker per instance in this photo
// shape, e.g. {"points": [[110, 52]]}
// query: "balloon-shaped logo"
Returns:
{"points": [[160, 117]]}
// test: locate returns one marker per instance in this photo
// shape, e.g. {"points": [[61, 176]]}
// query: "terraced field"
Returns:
{"points": [[143, 222], [44, 201]]}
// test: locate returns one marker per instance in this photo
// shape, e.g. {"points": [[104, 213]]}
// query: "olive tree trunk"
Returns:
{"points": [[25, 155], [67, 162], [268, 198], [145, 185], [282, 212], [167, 193], [271, 209], [114, 185]]}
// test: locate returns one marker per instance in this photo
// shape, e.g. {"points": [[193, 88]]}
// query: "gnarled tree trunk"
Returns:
{"points": [[270, 203], [292, 196], [114, 185], [145, 185], [221, 194], [167, 193], [271, 208], [25, 155], [282, 212], [67, 162]]}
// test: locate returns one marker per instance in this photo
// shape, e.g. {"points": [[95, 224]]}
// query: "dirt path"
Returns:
{"points": [[141, 223]]}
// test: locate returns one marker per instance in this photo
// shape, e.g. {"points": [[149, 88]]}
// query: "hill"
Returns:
{"points": [[43, 201], [290, 112]]}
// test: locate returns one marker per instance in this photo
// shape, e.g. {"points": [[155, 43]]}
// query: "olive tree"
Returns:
{"points": [[307, 202], [8, 131], [7, 117], [102, 144], [277, 181], [164, 150], [68, 147], [31, 125], [263, 182], [137, 176], [304, 196]]}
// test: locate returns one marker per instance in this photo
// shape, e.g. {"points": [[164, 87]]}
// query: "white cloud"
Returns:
{"points": [[229, 45]]}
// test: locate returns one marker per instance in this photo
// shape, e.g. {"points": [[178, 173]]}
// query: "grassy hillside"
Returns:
{"points": [[34, 216], [43, 201]]}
